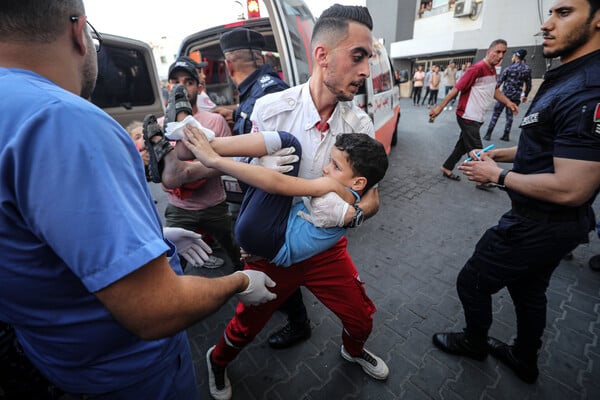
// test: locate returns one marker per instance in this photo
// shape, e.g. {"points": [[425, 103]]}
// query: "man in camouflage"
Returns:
{"points": [[512, 78]]}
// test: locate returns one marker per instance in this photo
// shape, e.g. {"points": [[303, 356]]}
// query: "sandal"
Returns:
{"points": [[451, 176], [178, 102], [156, 150]]}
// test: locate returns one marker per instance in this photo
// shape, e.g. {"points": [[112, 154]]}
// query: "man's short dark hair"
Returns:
{"points": [[497, 42], [366, 156], [39, 21], [594, 6], [336, 19]]}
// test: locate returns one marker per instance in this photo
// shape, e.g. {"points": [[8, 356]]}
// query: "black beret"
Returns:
{"points": [[242, 38]]}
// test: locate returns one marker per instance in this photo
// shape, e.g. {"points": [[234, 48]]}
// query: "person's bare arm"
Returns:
{"points": [[154, 302], [438, 109], [369, 203], [177, 172], [225, 111], [506, 154], [572, 183], [254, 175], [498, 95]]}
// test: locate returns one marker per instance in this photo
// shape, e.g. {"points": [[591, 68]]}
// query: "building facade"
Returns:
{"points": [[427, 32]]}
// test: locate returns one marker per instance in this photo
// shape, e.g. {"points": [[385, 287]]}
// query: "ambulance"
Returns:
{"points": [[128, 86], [287, 32]]}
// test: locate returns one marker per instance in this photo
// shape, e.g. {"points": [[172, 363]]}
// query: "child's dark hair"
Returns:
{"points": [[366, 156]]}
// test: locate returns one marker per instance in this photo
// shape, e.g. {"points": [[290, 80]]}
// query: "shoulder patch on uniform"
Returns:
{"points": [[266, 81], [597, 119], [530, 119]]}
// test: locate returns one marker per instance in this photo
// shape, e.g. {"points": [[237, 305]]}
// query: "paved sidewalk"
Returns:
{"points": [[409, 255]]}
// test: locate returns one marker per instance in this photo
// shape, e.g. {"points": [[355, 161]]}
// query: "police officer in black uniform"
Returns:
{"points": [[254, 78], [552, 185]]}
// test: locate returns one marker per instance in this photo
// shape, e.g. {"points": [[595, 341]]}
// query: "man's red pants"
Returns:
{"points": [[331, 276]]}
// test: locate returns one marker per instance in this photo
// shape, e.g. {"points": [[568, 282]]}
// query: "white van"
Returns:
{"points": [[128, 86]]}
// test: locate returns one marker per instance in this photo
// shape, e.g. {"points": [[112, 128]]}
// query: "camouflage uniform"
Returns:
{"points": [[512, 79]]}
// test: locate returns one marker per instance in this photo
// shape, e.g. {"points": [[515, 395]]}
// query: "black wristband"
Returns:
{"points": [[503, 176], [357, 219]]}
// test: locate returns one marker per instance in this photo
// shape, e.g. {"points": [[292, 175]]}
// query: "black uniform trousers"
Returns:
{"points": [[520, 253]]}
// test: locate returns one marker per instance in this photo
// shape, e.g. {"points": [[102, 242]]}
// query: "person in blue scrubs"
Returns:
{"points": [[93, 290]]}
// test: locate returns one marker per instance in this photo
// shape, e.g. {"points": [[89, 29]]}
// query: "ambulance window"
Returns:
{"points": [[300, 26], [380, 72]]}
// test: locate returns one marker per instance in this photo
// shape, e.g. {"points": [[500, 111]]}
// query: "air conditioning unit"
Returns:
{"points": [[463, 8]]}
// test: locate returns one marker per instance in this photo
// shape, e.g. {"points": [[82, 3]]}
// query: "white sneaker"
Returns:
{"points": [[370, 363], [213, 262], [445, 108], [450, 108], [219, 385]]}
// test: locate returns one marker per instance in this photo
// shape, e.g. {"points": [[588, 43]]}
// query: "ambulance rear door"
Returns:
{"points": [[292, 24]]}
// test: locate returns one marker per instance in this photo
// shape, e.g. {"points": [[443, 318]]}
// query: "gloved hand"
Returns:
{"points": [[189, 245], [279, 160], [325, 211], [256, 292]]}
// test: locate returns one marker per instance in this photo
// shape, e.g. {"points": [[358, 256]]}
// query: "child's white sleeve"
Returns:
{"points": [[272, 141]]}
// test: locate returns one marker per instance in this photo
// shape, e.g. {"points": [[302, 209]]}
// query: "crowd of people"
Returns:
{"points": [[112, 302]]}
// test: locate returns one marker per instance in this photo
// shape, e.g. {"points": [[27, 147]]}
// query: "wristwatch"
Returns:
{"points": [[358, 217], [501, 179]]}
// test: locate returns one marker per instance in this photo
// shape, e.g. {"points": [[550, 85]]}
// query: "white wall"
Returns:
{"points": [[516, 21]]}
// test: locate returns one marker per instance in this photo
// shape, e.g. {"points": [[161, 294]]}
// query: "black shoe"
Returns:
{"points": [[505, 138], [290, 335], [178, 102], [458, 344], [487, 137], [568, 256], [526, 370]]}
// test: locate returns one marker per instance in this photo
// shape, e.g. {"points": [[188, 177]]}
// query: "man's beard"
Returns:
{"points": [[574, 40], [89, 73]]}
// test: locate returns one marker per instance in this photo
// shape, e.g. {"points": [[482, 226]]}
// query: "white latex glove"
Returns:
{"points": [[256, 292], [279, 160], [189, 245], [174, 130], [325, 211]]}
